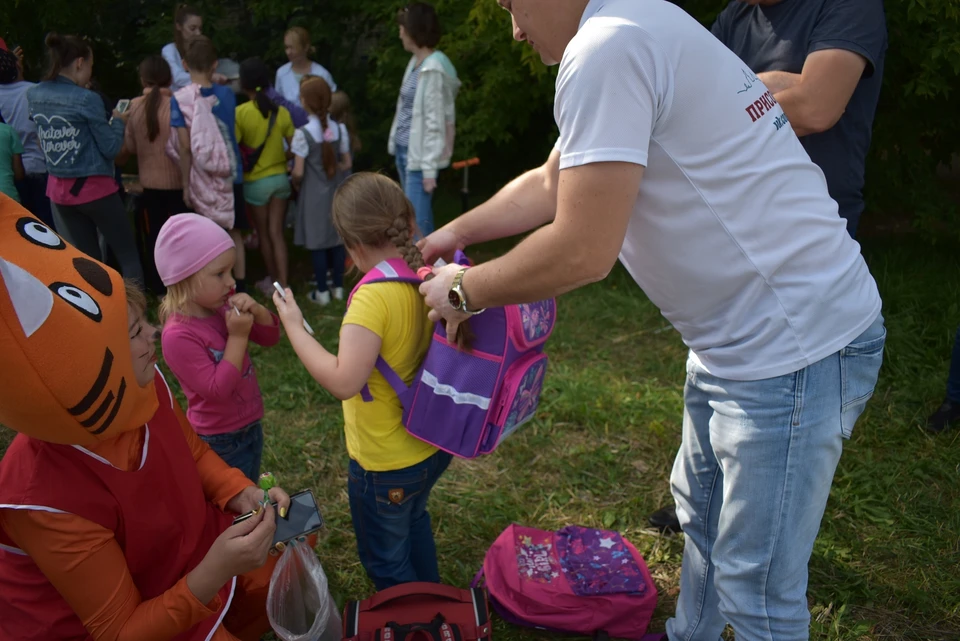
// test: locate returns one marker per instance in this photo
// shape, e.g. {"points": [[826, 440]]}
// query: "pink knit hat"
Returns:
{"points": [[186, 244]]}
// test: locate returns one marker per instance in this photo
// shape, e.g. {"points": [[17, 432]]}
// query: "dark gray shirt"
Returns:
{"points": [[779, 37]]}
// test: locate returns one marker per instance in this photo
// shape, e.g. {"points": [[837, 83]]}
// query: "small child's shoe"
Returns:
{"points": [[338, 293], [318, 297]]}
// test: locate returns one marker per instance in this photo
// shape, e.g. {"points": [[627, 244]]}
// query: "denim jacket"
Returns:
{"points": [[75, 135]]}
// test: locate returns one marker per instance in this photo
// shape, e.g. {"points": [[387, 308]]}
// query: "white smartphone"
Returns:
{"points": [[122, 105], [306, 325]]}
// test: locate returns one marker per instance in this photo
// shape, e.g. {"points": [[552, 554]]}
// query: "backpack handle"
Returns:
{"points": [[407, 589]]}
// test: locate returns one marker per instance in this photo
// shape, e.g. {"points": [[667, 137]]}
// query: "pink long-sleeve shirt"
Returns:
{"points": [[220, 398]]}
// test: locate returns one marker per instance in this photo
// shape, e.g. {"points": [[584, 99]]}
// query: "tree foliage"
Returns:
{"points": [[504, 110]]}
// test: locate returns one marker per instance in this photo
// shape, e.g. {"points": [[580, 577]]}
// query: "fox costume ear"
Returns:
{"points": [[67, 373]]}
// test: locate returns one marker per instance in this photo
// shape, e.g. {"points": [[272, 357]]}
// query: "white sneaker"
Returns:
{"points": [[338, 293], [320, 298]]}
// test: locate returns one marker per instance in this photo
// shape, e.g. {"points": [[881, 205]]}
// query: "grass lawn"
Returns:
{"points": [[887, 562]]}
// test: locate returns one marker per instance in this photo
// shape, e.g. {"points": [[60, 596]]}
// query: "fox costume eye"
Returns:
{"points": [[39, 234], [79, 299]]}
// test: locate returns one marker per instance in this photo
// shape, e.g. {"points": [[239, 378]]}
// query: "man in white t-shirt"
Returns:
{"points": [[674, 156]]}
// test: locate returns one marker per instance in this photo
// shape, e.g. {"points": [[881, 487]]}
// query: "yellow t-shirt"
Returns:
{"points": [[251, 129], [376, 438]]}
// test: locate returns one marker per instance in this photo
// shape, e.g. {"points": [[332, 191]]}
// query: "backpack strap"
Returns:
{"points": [[390, 270]]}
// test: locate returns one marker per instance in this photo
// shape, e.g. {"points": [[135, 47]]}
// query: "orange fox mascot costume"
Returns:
{"points": [[68, 386]]}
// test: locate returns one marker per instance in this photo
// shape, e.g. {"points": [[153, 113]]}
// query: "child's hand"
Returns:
{"points": [[252, 497], [239, 324], [244, 303], [288, 310]]}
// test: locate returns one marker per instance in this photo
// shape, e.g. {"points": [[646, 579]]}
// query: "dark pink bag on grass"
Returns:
{"points": [[577, 580]]}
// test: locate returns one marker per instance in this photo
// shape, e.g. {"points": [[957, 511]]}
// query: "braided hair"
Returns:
{"points": [[371, 210]]}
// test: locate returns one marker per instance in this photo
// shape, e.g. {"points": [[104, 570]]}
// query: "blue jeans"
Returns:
{"points": [[953, 382], [412, 183], [391, 522], [241, 449], [751, 482], [334, 259]]}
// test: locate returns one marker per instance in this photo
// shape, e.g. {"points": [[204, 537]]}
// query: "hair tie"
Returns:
{"points": [[259, 89]]}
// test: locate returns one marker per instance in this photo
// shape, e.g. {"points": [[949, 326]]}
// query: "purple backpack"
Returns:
{"points": [[467, 402], [577, 581]]}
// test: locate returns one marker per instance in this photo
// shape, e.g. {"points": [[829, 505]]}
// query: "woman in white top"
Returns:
{"points": [[187, 23], [296, 42]]}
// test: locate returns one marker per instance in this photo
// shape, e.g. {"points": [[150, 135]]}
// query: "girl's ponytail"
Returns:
{"points": [[255, 78], [154, 73], [329, 153]]}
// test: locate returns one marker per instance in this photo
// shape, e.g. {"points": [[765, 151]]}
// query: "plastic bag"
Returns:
{"points": [[299, 604]]}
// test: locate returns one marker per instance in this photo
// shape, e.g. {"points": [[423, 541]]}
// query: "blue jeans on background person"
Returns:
{"points": [[412, 184], [391, 522], [751, 482], [241, 449], [953, 380], [33, 197], [333, 259]]}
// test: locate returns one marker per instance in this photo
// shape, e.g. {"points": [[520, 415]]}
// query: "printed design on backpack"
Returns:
{"points": [[527, 399], [537, 319], [597, 562], [535, 558]]}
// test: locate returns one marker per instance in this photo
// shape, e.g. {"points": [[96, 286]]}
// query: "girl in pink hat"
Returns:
{"points": [[206, 330]]}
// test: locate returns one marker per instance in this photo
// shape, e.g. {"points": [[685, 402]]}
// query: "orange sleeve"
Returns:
{"points": [[220, 481], [85, 564]]}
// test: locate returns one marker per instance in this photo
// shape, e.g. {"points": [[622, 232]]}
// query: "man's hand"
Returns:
{"points": [[442, 243], [777, 81], [429, 184], [435, 293]]}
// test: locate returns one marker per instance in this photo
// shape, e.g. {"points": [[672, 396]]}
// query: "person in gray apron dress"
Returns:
{"points": [[322, 160]]}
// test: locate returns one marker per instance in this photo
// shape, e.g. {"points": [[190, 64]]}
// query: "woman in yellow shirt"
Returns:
{"points": [[266, 187], [391, 472]]}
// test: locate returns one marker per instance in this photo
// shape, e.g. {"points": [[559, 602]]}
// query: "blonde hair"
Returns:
{"points": [[303, 39], [178, 296], [371, 210]]}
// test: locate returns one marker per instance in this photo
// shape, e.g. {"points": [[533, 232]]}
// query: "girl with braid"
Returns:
{"points": [[391, 473]]}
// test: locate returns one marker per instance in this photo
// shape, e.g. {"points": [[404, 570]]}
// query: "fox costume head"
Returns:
{"points": [[66, 370]]}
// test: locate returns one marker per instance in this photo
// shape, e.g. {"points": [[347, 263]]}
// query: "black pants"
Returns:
{"points": [[156, 206], [33, 197], [79, 225]]}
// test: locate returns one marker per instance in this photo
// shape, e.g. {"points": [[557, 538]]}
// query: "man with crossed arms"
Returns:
{"points": [[674, 158]]}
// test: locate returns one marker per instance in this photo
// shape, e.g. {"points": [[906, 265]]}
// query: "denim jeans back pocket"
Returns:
{"points": [[395, 491], [859, 369]]}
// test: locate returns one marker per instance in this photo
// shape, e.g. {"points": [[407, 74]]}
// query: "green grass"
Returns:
{"points": [[887, 562]]}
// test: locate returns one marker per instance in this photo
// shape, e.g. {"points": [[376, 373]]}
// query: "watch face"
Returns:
{"points": [[454, 299]]}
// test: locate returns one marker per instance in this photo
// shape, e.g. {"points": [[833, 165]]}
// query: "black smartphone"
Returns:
{"points": [[303, 518]]}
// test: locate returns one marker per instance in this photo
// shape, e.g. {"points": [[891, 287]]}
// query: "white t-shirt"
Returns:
{"points": [[288, 83], [300, 147], [733, 236]]}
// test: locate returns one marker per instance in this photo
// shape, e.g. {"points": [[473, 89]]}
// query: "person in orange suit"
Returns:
{"points": [[115, 518]]}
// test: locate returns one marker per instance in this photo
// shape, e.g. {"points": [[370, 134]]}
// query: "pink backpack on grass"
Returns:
{"points": [[576, 580]]}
